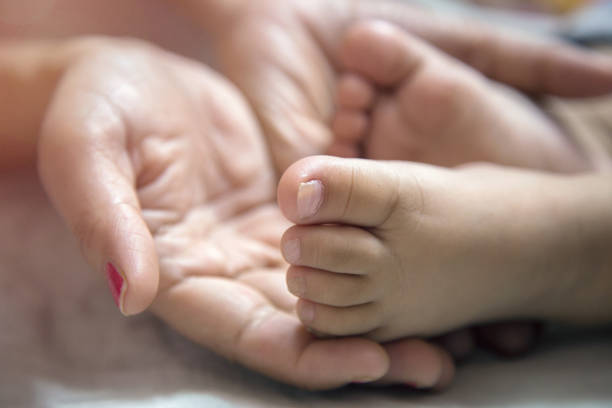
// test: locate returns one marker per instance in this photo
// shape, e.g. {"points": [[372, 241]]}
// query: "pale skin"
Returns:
{"points": [[393, 259], [401, 99], [395, 249], [252, 40], [406, 100], [308, 83], [145, 138], [295, 48]]}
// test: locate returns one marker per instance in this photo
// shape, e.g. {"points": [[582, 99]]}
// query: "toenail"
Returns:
{"points": [[291, 251], [309, 198], [307, 312], [297, 285]]}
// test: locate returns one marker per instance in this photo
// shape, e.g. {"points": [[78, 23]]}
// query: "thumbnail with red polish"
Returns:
{"points": [[115, 282]]}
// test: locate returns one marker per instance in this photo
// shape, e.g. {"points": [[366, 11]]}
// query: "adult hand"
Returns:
{"points": [[161, 171]]}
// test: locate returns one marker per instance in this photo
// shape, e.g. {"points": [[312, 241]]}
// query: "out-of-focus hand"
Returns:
{"points": [[285, 56]]}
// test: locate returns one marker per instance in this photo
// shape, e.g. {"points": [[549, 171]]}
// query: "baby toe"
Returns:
{"points": [[354, 92], [440, 102], [343, 149], [324, 189], [339, 321], [329, 288], [381, 52], [350, 126], [334, 248], [389, 137]]}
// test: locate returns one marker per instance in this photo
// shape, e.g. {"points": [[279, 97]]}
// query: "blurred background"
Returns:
{"points": [[540, 6], [586, 22]]}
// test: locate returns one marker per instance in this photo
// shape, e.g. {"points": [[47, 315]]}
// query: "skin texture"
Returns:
{"points": [[404, 100], [292, 97], [285, 57], [396, 249], [163, 181], [293, 48]]}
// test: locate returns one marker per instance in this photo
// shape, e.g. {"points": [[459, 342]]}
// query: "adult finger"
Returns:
{"points": [[532, 63], [237, 322], [418, 364], [86, 170]]}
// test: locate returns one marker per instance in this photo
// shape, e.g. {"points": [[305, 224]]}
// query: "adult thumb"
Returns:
{"points": [[86, 170]]}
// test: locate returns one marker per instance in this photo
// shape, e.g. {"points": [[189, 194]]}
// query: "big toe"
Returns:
{"points": [[382, 52], [325, 189]]}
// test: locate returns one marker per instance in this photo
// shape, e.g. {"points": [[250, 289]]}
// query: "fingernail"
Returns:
{"points": [[117, 284], [291, 251], [307, 312], [309, 199]]}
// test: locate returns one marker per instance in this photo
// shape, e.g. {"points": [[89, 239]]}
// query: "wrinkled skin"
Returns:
{"points": [[158, 135], [292, 95], [284, 57]]}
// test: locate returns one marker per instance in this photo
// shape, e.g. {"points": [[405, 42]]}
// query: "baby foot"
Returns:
{"points": [[395, 249], [404, 100]]}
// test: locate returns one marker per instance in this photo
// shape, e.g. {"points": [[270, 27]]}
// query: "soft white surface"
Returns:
{"points": [[63, 344]]}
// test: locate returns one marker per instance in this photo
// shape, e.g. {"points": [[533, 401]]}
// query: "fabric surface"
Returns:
{"points": [[63, 344]]}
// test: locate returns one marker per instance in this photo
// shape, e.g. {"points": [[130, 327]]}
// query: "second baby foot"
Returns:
{"points": [[401, 99]]}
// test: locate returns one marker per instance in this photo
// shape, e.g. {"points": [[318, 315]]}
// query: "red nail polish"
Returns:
{"points": [[115, 282]]}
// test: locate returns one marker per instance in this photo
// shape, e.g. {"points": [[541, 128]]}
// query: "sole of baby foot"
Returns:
{"points": [[424, 106]]}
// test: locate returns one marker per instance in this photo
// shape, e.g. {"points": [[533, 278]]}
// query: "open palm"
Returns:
{"points": [[160, 169], [167, 170]]}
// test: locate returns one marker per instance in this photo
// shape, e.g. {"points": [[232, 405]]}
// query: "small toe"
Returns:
{"points": [[329, 288], [354, 92], [389, 137], [382, 52], [343, 149], [339, 321], [366, 193], [335, 248], [350, 125]]}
